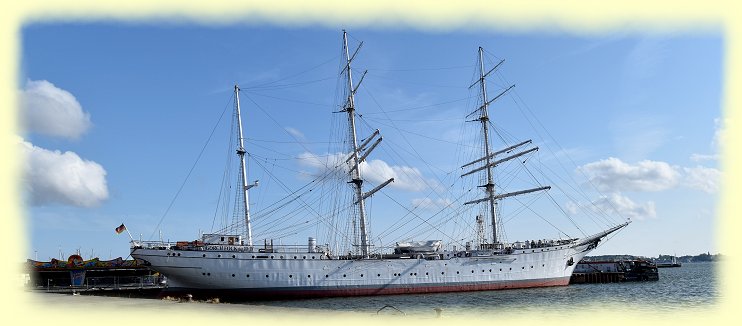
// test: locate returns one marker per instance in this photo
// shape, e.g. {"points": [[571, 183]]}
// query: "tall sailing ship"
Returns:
{"points": [[230, 264]]}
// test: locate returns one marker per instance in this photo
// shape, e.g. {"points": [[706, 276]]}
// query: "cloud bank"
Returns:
{"points": [[614, 175]]}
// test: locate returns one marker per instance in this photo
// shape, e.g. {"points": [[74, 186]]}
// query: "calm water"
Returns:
{"points": [[693, 285]]}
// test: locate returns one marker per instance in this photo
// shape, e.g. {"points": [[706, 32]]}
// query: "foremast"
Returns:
{"points": [[356, 155], [490, 195], [243, 169]]}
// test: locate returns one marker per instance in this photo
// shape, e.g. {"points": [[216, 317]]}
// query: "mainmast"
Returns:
{"points": [[484, 119], [491, 198], [356, 157], [241, 152]]}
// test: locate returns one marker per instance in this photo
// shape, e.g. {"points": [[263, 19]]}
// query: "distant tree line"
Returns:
{"points": [[704, 257]]}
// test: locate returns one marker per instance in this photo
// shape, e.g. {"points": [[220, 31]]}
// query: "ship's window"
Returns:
{"points": [[248, 275], [395, 274], [378, 274], [415, 274], [490, 270], [222, 238], [457, 272], [178, 254], [531, 266], [253, 257], [204, 274], [266, 275], [426, 273], [294, 257], [533, 250], [204, 255], [410, 274], [208, 274], [472, 271], [232, 275], [511, 268], [523, 267], [343, 275], [327, 275], [542, 265], [304, 257], [361, 275], [281, 257], [290, 276], [312, 257], [271, 257], [219, 255], [309, 276], [501, 269], [233, 256], [442, 273], [482, 271]]}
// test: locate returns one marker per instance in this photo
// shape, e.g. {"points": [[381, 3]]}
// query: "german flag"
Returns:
{"points": [[121, 228]]}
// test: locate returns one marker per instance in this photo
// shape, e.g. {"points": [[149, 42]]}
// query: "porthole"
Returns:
{"points": [[271, 257], [204, 255], [501, 269], [523, 267], [266, 275], [290, 276], [294, 257], [361, 275], [343, 275], [457, 272], [395, 274], [442, 273], [326, 276], [281, 257], [472, 271], [253, 257], [248, 275], [204, 274], [511, 268], [531, 266], [219, 255], [482, 271], [490, 270], [233, 256], [232, 275], [312, 257], [410, 274], [208, 274], [310, 276], [304, 257], [415, 274], [178, 254], [378, 275], [542, 265], [426, 273]]}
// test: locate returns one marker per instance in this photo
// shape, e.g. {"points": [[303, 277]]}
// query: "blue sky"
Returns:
{"points": [[129, 107]]}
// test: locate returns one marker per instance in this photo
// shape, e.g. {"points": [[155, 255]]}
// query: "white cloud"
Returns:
{"points": [[614, 175], [49, 110], [703, 157], [702, 178], [63, 178], [374, 171], [298, 135], [720, 132], [427, 203], [624, 206]]}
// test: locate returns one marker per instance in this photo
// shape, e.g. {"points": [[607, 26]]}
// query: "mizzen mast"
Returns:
{"points": [[241, 152]]}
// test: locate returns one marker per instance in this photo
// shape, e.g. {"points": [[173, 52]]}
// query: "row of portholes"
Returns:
{"points": [[272, 257], [378, 275]]}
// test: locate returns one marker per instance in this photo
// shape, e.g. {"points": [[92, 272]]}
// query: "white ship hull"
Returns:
{"points": [[251, 275]]}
